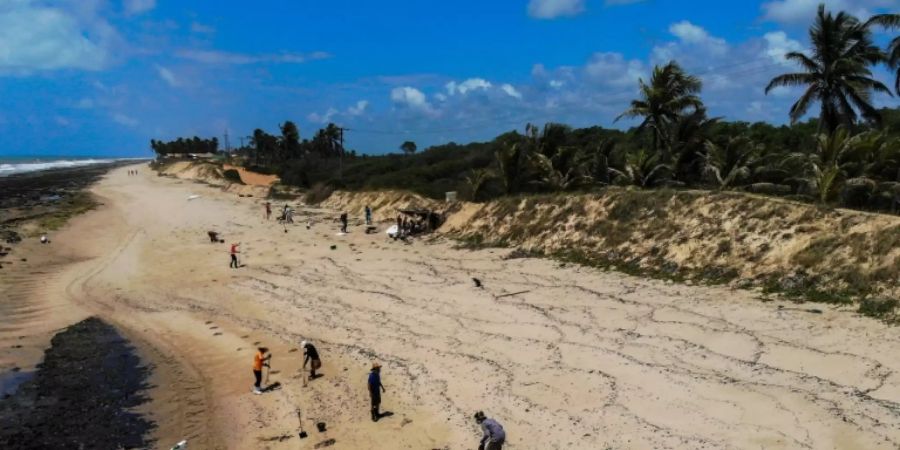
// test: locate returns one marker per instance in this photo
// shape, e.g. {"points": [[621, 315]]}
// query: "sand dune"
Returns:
{"points": [[563, 356]]}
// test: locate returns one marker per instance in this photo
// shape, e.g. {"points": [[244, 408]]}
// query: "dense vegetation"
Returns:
{"points": [[182, 146], [848, 155]]}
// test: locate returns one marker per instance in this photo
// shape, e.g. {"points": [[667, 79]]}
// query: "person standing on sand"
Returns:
{"points": [[375, 390], [260, 360], [268, 210], [343, 222], [311, 355], [234, 253], [368, 215], [494, 436]]}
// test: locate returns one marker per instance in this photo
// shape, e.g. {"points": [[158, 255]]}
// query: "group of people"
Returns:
{"points": [[493, 435], [409, 226], [287, 213], [132, 172]]}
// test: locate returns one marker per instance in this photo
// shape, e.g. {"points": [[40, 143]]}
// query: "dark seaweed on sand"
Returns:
{"points": [[82, 396]]}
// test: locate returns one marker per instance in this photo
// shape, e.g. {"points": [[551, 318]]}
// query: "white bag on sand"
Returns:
{"points": [[392, 231], [193, 197]]}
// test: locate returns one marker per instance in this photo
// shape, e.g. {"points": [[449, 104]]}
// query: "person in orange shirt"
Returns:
{"points": [[234, 252], [259, 360]]}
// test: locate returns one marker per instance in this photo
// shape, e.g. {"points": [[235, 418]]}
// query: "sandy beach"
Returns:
{"points": [[563, 356]]}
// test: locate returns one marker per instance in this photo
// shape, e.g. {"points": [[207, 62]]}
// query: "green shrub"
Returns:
{"points": [[233, 176], [317, 194], [878, 307]]}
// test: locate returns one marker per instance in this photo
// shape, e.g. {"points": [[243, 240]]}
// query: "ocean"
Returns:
{"points": [[12, 166]]}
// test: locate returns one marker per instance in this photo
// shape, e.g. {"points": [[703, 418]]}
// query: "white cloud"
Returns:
{"points": [[613, 69], [218, 57], [551, 9], [323, 118], [511, 91], [122, 119], [778, 44], [36, 38], [167, 76], [804, 11], [355, 110], [85, 103], [472, 84], [689, 33], [556, 84], [138, 6], [358, 109], [412, 98]]}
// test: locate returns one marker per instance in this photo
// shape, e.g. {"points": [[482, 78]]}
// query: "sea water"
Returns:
{"points": [[12, 166]]}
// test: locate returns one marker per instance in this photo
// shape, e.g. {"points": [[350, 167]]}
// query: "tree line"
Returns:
{"points": [[845, 156], [182, 146], [848, 154]]}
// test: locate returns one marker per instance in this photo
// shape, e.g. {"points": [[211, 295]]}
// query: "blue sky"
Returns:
{"points": [[103, 77]]}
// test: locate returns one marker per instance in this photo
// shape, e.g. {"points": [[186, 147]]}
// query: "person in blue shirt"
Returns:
{"points": [[368, 215], [494, 436], [375, 390]]}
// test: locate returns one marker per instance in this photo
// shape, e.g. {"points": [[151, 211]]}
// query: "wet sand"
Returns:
{"points": [[563, 356]]}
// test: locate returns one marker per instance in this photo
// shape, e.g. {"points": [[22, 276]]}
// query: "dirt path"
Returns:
{"points": [[575, 359]]}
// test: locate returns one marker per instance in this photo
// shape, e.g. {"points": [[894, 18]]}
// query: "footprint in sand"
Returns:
{"points": [[217, 334], [256, 343], [208, 322], [245, 336]]}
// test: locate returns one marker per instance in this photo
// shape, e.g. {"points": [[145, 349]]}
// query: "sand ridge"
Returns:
{"points": [[564, 356]]}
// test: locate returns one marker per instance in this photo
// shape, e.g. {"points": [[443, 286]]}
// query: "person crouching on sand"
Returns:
{"points": [[494, 436], [375, 390], [311, 356], [234, 253], [260, 360]]}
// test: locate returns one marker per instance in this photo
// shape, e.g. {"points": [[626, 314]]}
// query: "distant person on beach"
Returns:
{"points": [[260, 360], [375, 390], [268, 210], [494, 436], [234, 253], [343, 222], [368, 215], [311, 356]]}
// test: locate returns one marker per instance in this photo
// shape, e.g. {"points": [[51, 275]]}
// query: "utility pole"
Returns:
{"points": [[227, 146], [341, 154]]}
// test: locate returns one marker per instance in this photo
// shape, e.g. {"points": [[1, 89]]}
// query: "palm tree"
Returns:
{"points": [[512, 164], [565, 170], [671, 93], [600, 158], [643, 168], [891, 22], [837, 74], [835, 160], [730, 164], [686, 145], [477, 180]]}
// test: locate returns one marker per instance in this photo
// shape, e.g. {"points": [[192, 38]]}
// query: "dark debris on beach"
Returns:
{"points": [[82, 397]]}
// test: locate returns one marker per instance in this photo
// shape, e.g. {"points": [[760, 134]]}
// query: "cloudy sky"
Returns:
{"points": [[103, 77]]}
